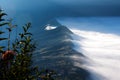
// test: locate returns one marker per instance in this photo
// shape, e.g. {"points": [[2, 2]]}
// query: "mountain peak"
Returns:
{"points": [[49, 27], [53, 22]]}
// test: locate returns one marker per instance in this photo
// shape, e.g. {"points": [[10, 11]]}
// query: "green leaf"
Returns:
{"points": [[23, 41], [1, 32], [25, 30], [2, 47], [28, 25], [2, 14], [3, 39], [21, 35], [9, 29], [28, 33], [2, 24], [2, 19]]}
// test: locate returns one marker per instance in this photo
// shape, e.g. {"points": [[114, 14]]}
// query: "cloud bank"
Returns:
{"points": [[103, 51]]}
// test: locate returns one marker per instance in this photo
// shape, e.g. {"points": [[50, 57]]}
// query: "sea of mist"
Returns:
{"points": [[99, 40]]}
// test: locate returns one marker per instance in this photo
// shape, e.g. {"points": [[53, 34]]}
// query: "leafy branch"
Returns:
{"points": [[16, 62]]}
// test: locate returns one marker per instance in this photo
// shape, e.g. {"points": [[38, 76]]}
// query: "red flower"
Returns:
{"points": [[8, 55]]}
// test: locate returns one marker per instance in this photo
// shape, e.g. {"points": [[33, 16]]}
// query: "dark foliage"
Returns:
{"points": [[16, 63]]}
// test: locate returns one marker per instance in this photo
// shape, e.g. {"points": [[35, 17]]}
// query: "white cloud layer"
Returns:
{"points": [[102, 49]]}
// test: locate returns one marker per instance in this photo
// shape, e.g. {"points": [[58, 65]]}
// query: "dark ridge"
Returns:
{"points": [[53, 22], [54, 52]]}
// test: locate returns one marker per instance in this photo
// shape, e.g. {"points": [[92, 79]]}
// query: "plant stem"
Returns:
{"points": [[9, 40]]}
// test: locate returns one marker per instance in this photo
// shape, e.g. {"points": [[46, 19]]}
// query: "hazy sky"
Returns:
{"points": [[99, 24], [78, 7], [39, 12]]}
